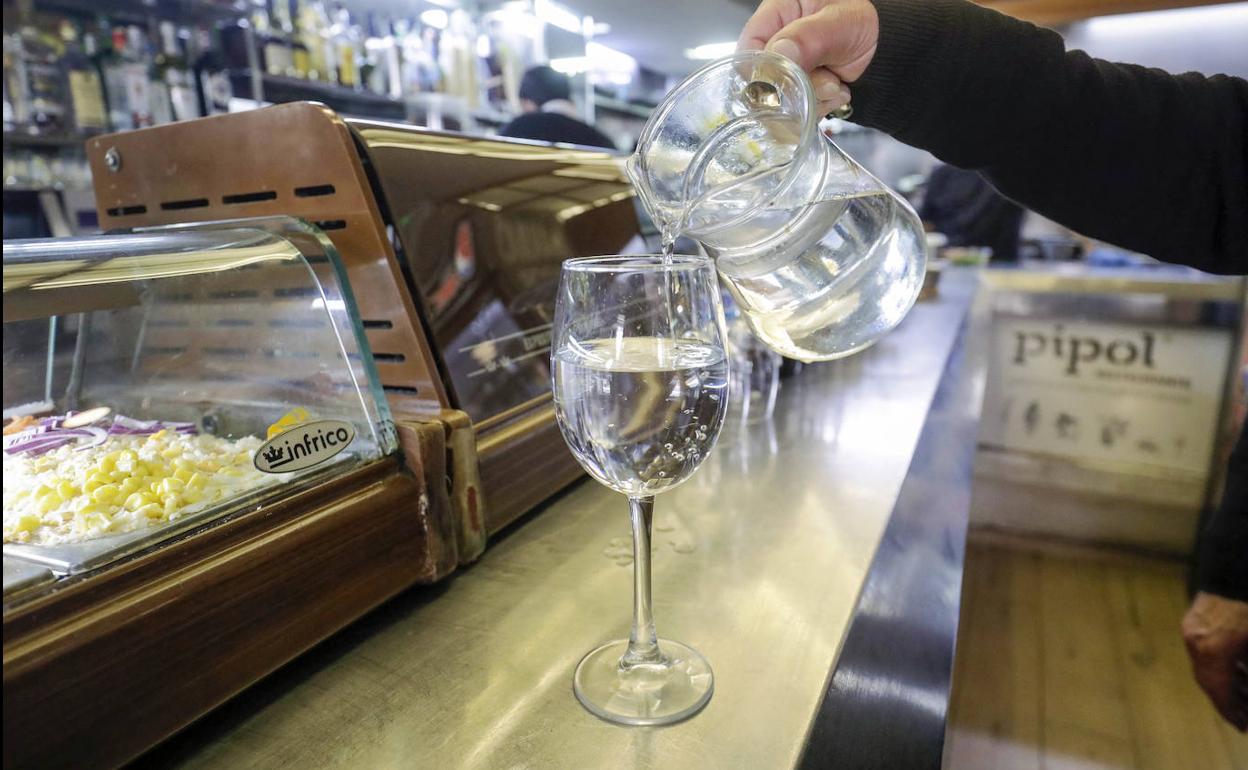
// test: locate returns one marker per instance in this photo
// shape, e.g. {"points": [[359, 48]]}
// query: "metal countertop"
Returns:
{"points": [[759, 563]]}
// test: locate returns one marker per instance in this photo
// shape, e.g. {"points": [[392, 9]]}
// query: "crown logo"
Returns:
{"points": [[273, 454]]}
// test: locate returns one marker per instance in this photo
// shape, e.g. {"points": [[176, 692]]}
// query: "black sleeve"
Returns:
{"points": [[1222, 548], [1149, 161]]}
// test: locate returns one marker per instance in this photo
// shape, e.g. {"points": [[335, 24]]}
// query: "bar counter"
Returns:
{"points": [[815, 560]]}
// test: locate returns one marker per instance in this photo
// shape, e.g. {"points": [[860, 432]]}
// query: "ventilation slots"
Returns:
{"points": [[227, 352], [390, 358], [127, 211], [251, 197], [190, 203], [332, 224], [313, 191], [234, 294], [378, 324], [401, 389]]}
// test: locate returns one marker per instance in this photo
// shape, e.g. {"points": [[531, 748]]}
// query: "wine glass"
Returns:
{"points": [[641, 383]]}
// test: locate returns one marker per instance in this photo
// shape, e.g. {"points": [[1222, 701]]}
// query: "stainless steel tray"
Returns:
{"points": [[75, 558], [20, 574]]}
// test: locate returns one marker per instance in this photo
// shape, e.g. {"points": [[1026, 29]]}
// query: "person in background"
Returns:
{"points": [[1133, 156], [961, 205], [549, 115]]}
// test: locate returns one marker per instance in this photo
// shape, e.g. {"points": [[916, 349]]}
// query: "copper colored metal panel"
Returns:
{"points": [[295, 159]]}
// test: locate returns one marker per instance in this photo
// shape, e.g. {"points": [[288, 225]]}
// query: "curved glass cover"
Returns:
{"points": [[159, 379]]}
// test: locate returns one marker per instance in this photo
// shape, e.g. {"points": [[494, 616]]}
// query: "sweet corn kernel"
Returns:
{"points": [[170, 453], [127, 460], [158, 435], [154, 487], [66, 490], [28, 523], [183, 475], [115, 477], [192, 495], [106, 493], [151, 511], [197, 481], [172, 503], [138, 500], [50, 502], [42, 491], [171, 485], [99, 477], [108, 463], [209, 466], [129, 486]]}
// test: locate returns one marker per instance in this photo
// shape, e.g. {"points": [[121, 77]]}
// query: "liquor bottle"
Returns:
{"points": [[314, 33], [300, 53], [392, 59], [40, 97], [283, 32], [275, 54], [126, 81], [372, 57], [86, 90], [159, 99], [345, 36], [212, 75], [174, 75]]}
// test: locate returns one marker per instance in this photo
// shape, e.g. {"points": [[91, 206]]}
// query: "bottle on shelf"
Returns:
{"points": [[273, 50], [346, 40], [173, 80], [39, 96], [313, 29], [127, 86], [300, 53], [211, 74], [159, 99], [86, 90]]}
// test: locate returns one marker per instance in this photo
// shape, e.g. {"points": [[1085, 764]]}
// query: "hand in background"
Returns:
{"points": [[1215, 630], [833, 40]]}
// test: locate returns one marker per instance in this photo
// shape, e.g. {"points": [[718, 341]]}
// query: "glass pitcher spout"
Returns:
{"points": [[821, 256]]}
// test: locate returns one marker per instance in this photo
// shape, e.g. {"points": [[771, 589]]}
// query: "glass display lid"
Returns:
{"points": [[160, 379]]}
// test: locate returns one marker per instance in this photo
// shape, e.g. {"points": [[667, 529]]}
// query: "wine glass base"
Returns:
{"points": [[644, 694]]}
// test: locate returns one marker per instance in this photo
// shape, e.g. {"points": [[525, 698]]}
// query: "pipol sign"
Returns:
{"points": [[304, 446], [1078, 350], [1125, 392]]}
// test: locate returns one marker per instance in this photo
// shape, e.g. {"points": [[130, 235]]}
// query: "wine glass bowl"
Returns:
{"points": [[640, 382]]}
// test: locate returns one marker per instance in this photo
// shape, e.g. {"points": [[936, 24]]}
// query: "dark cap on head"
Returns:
{"points": [[542, 84]]}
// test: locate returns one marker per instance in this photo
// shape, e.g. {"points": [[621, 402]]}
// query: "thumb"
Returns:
{"points": [[841, 36]]}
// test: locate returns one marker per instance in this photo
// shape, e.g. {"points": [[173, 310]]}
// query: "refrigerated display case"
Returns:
{"points": [[146, 373], [202, 477]]}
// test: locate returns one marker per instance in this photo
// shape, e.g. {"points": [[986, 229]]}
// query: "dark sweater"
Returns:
{"points": [[1150, 161], [553, 127]]}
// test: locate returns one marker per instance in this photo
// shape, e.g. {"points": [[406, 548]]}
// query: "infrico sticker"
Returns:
{"points": [[303, 446]]}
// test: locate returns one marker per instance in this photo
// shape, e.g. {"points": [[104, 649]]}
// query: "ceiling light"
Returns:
{"points": [[711, 51], [435, 17], [556, 15]]}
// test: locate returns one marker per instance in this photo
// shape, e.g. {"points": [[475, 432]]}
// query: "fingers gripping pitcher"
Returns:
{"points": [[822, 257]]}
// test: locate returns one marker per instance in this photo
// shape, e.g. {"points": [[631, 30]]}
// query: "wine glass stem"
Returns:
{"points": [[643, 645]]}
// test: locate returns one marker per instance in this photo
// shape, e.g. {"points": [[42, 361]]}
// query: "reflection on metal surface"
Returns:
{"points": [[887, 699], [777, 533], [483, 226]]}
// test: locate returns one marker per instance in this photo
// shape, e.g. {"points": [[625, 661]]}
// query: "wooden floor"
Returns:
{"points": [[1068, 661]]}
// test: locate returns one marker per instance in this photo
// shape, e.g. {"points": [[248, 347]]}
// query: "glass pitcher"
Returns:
{"points": [[822, 258]]}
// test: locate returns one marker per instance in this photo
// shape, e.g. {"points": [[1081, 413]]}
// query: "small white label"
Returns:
{"points": [[304, 446]]}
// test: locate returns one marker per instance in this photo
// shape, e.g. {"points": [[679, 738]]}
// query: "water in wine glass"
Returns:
{"points": [[640, 413]]}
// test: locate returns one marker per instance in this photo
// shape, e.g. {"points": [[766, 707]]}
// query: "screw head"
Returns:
{"points": [[112, 159]]}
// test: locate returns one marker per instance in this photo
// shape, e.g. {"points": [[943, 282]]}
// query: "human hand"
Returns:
{"points": [[1215, 630], [833, 40]]}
